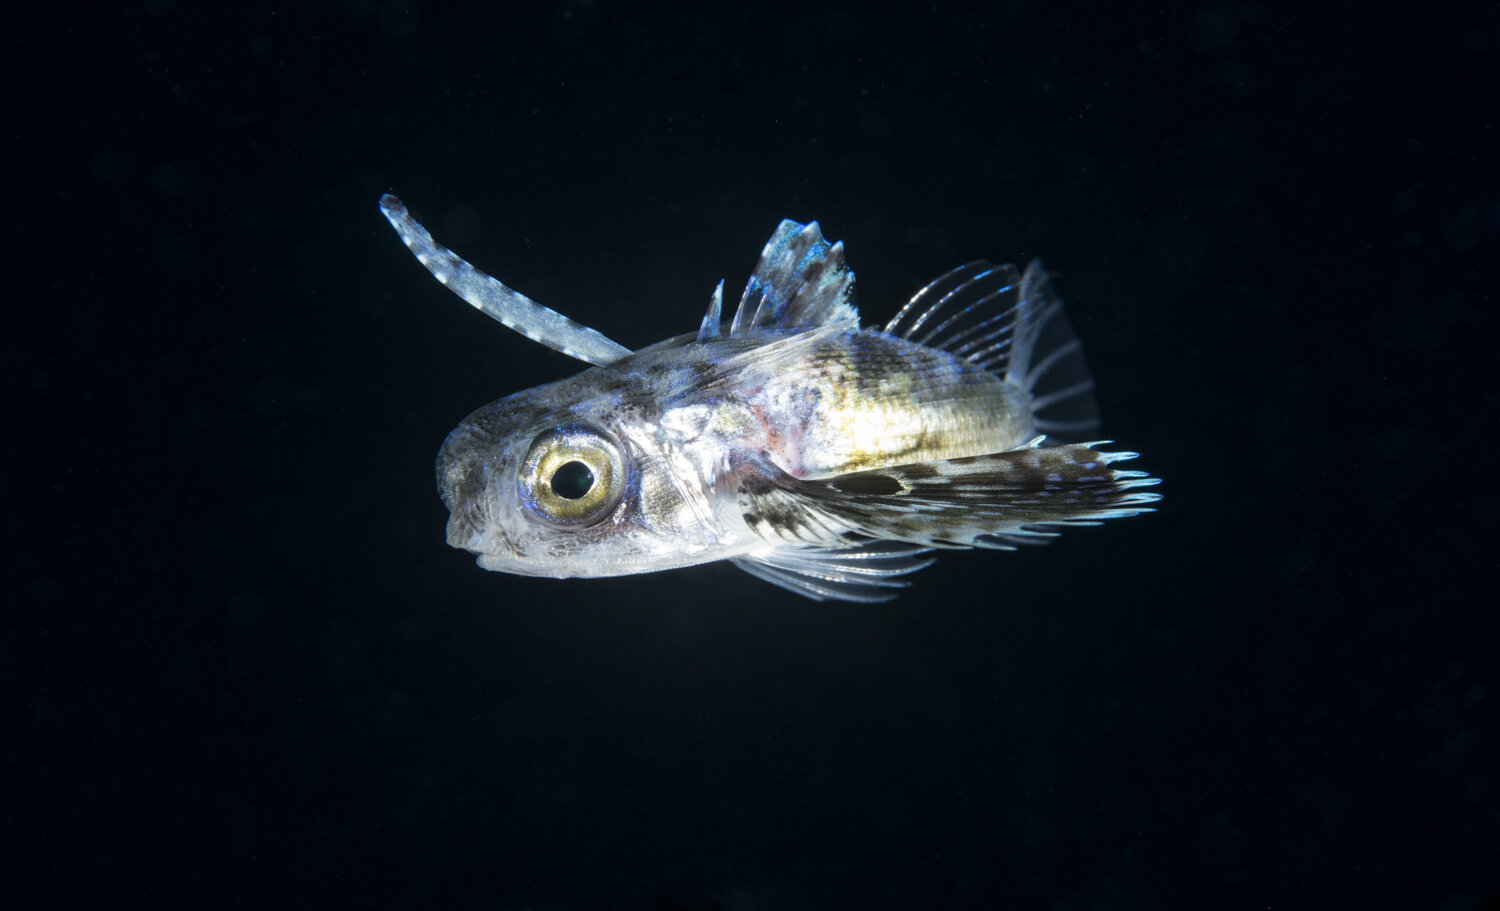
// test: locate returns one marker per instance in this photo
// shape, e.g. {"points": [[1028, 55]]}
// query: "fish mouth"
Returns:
{"points": [[469, 529]]}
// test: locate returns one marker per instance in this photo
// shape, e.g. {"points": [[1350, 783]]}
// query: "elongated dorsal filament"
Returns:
{"points": [[493, 298]]}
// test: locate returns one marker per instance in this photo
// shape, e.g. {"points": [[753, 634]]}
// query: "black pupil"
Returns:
{"points": [[572, 480]]}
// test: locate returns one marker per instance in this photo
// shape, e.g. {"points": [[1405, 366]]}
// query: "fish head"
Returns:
{"points": [[582, 490]]}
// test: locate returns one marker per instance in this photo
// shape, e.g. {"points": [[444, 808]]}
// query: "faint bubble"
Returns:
{"points": [[45, 590], [108, 165], [398, 19], [183, 669], [1079, 166], [872, 123], [1462, 233], [171, 178], [1220, 840], [1238, 77], [1215, 27], [273, 397], [1008, 155], [1280, 676], [244, 611], [185, 425], [1394, 447], [842, 27], [177, 255], [1459, 744], [397, 713], [1029, 828], [343, 652], [309, 399]]}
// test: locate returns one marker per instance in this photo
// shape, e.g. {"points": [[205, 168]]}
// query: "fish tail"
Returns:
{"points": [[1013, 326], [1046, 359]]}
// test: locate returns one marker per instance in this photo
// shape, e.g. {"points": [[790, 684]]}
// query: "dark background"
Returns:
{"points": [[241, 666]]}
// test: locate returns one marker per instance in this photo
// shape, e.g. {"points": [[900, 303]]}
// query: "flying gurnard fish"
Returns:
{"points": [[824, 458]]}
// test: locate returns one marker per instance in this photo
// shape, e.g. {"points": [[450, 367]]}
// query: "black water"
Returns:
{"points": [[242, 667]]}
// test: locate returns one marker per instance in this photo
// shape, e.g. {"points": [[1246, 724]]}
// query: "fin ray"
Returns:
{"points": [[932, 297], [712, 325], [1011, 324], [993, 500], [867, 572], [1046, 359], [494, 299], [801, 281]]}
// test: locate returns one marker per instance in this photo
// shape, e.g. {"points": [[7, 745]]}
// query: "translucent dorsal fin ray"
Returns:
{"points": [[1011, 324], [801, 281], [712, 320], [932, 297], [494, 299]]}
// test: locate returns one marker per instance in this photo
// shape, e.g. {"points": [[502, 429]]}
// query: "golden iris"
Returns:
{"points": [[573, 475]]}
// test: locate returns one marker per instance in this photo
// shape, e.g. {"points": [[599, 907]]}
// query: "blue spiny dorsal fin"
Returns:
{"points": [[710, 327], [800, 282]]}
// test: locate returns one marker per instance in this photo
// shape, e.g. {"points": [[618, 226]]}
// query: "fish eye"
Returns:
{"points": [[572, 481], [573, 476]]}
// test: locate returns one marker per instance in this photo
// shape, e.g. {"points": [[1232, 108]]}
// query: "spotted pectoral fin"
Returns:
{"points": [[997, 500]]}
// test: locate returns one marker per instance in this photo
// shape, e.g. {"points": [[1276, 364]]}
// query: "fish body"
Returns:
{"points": [[824, 457]]}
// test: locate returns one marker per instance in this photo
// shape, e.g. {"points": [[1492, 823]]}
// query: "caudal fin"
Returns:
{"points": [[1012, 325]]}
